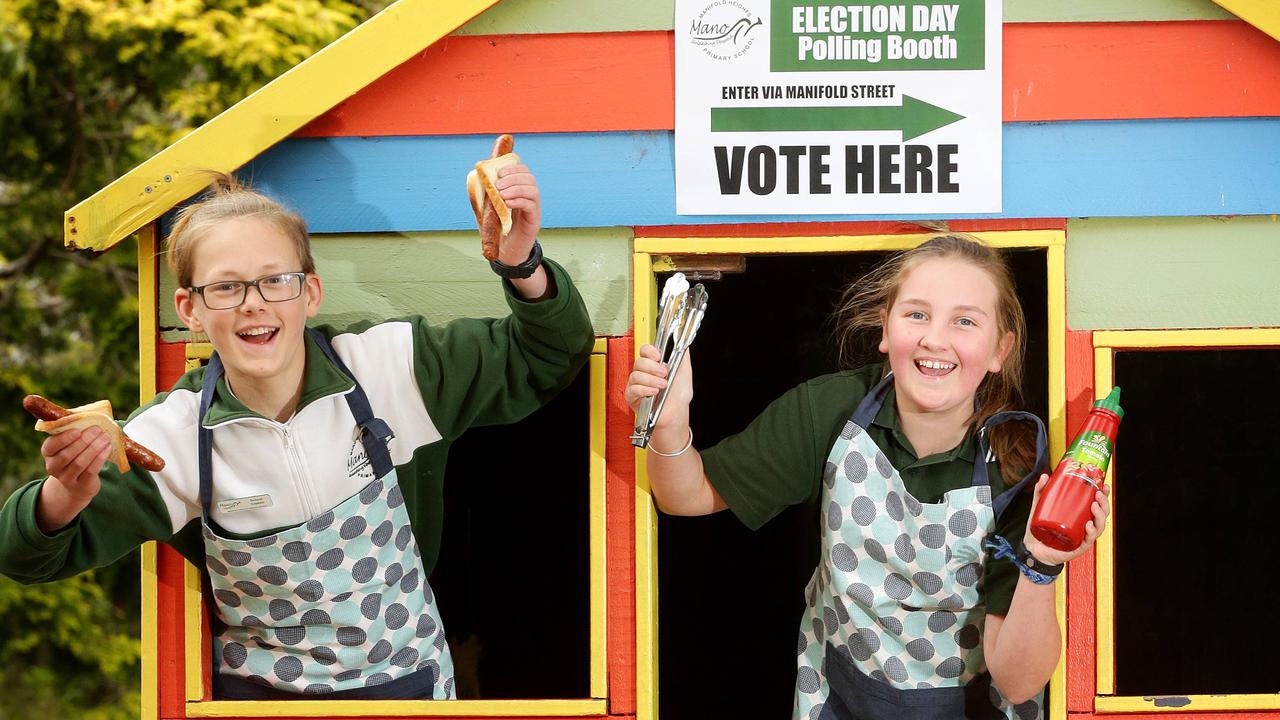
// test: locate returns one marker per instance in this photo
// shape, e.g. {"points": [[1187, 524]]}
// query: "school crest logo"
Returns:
{"points": [[358, 463], [725, 29]]}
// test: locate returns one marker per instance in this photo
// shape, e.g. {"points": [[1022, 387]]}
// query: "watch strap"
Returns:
{"points": [[524, 269], [1026, 558]]}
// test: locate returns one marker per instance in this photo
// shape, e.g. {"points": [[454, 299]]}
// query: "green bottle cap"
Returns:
{"points": [[1111, 402]]}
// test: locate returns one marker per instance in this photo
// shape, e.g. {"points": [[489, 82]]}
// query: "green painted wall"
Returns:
{"points": [[1137, 273], [442, 276], [511, 17], [1111, 10]]}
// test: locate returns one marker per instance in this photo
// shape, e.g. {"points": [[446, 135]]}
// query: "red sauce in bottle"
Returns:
{"points": [[1067, 499]]}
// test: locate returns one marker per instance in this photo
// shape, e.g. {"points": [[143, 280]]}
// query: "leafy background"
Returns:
{"points": [[89, 89]]}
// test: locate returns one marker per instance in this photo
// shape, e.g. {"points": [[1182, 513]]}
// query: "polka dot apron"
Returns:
{"points": [[339, 605], [893, 628]]}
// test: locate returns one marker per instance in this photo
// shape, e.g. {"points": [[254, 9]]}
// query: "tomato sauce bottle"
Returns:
{"points": [[1065, 501]]}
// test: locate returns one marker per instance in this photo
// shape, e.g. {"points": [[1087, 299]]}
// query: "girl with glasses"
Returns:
{"points": [[291, 457]]}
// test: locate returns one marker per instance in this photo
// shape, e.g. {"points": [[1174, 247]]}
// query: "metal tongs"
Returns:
{"points": [[679, 316]]}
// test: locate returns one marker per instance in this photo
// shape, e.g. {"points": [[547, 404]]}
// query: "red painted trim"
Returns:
{"points": [[601, 82], [171, 363], [519, 83], [1096, 71], [874, 227], [432, 718], [620, 483], [171, 660], [1174, 715], [1081, 636], [206, 649]]}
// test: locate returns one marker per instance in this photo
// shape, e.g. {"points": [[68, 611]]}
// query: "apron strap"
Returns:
{"points": [[374, 432], [871, 403], [980, 459], [212, 372]]}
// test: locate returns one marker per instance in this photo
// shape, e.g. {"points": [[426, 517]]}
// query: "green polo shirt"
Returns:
{"points": [[778, 461]]}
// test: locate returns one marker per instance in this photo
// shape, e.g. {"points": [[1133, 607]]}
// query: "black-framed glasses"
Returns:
{"points": [[228, 294]]}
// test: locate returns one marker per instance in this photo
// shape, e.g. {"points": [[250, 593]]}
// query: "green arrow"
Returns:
{"points": [[913, 117]]}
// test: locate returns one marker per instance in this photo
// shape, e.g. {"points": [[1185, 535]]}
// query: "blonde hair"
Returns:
{"points": [[227, 199], [859, 319]]}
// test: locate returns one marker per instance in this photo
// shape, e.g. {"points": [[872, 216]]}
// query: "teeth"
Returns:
{"points": [[935, 364], [256, 331]]}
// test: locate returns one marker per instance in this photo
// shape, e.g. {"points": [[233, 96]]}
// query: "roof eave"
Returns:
{"points": [[251, 126]]}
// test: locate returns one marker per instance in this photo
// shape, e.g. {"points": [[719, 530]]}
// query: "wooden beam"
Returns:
{"points": [[266, 117], [1262, 14]]}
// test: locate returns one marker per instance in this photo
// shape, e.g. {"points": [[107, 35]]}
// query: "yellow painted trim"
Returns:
{"points": [[1056, 329], [645, 264], [1229, 337], [596, 500], [1105, 342], [266, 117], [197, 351], [396, 708], [193, 618], [1262, 14], [148, 287], [192, 592], [148, 294], [1104, 552], [835, 243], [644, 307], [193, 630], [150, 681], [1187, 703]]}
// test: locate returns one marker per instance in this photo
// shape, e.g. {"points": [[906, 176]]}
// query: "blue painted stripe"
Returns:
{"points": [[1073, 169]]}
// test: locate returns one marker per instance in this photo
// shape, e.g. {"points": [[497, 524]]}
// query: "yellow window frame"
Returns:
{"points": [[651, 255], [1105, 345], [197, 707]]}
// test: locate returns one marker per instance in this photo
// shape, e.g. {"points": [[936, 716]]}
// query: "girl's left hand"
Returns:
{"points": [[1092, 529], [520, 191]]}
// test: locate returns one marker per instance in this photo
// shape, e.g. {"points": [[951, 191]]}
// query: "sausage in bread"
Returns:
{"points": [[53, 419]]}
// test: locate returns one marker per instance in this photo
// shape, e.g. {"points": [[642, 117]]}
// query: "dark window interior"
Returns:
{"points": [[1195, 586], [730, 599], [513, 574]]}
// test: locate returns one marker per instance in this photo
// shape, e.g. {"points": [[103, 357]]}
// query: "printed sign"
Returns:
{"points": [[791, 107]]}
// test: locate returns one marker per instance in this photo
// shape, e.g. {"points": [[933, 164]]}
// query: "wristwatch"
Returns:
{"points": [[524, 269], [1026, 558]]}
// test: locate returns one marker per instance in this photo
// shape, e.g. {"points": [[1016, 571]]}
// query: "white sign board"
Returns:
{"points": [[789, 107]]}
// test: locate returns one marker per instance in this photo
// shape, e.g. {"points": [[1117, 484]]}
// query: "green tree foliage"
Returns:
{"points": [[88, 89]]}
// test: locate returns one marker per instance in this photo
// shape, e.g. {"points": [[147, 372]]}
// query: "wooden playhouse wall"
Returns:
{"points": [[1149, 131]]}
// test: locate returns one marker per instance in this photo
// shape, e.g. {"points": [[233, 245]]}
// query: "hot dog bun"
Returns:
{"points": [[97, 415], [493, 217]]}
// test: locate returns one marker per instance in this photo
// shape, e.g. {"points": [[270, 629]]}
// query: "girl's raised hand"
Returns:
{"points": [[1101, 510], [519, 190]]}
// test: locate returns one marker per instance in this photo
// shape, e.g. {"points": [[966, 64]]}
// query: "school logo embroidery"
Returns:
{"points": [[358, 464], [725, 30]]}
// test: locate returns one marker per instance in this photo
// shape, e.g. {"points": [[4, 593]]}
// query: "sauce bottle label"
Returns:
{"points": [[1088, 457]]}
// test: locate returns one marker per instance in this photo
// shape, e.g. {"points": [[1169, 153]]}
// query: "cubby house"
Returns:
{"points": [[1141, 182]]}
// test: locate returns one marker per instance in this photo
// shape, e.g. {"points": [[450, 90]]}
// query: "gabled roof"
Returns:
{"points": [[251, 126], [1262, 14]]}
